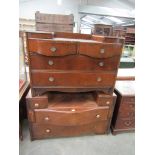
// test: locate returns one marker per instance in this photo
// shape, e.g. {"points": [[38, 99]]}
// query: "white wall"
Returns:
{"points": [[27, 8]]}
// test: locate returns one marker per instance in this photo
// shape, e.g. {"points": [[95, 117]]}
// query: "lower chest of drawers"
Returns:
{"points": [[69, 115]]}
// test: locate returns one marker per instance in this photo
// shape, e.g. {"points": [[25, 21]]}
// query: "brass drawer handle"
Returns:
{"points": [[102, 51], [99, 79], [53, 49], [48, 130], [50, 62], [108, 102], [101, 64], [97, 116], [51, 79], [46, 118], [73, 110], [36, 105]]}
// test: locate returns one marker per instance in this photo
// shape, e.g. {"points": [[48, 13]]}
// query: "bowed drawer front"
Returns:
{"points": [[100, 50], [71, 117], [51, 48], [61, 48], [73, 62]]}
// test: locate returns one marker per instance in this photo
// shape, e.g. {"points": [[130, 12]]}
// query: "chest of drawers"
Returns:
{"points": [[124, 113], [69, 114], [72, 62]]}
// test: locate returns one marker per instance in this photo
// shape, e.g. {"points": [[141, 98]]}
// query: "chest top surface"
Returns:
{"points": [[125, 88]]}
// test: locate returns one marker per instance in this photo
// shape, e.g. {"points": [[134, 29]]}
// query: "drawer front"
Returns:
{"points": [[70, 79], [73, 62], [128, 99], [71, 116], [51, 48], [100, 50], [125, 114], [40, 131], [104, 100], [128, 106], [125, 124], [38, 103]]}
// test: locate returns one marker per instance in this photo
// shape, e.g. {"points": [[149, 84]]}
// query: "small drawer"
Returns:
{"points": [[128, 99], [103, 99], [51, 48], [39, 131], [71, 116], [100, 50], [38, 102]]}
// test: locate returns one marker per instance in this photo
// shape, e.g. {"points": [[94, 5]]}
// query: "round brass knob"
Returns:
{"points": [[50, 62], [73, 110], [99, 79], [102, 51], [36, 105], [51, 79], [107, 102], [101, 64], [97, 116], [48, 130], [53, 49], [46, 118]]}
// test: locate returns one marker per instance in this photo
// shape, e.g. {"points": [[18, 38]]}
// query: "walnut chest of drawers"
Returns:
{"points": [[124, 113], [69, 114], [72, 62]]}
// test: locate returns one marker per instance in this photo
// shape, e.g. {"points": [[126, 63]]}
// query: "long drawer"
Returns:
{"points": [[39, 131], [71, 116], [73, 62], [72, 79]]}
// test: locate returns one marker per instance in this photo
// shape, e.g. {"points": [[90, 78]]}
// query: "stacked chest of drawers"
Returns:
{"points": [[72, 78]]}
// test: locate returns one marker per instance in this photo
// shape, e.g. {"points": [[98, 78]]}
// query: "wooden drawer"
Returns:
{"points": [[71, 116], [73, 62], [125, 124], [51, 48], [37, 102], [72, 79], [100, 50], [126, 114], [128, 99], [39, 131], [128, 106], [103, 99]]}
